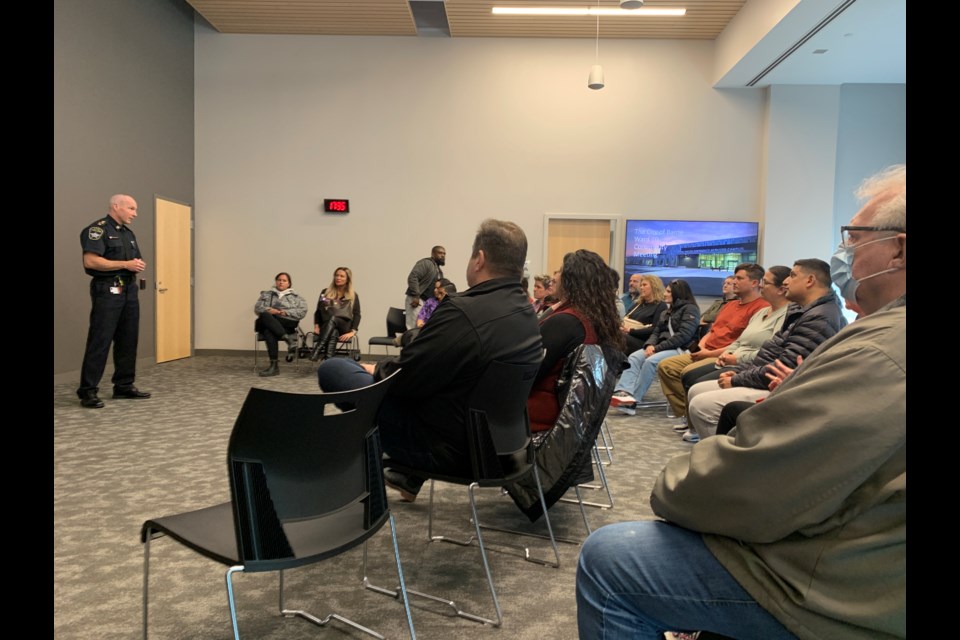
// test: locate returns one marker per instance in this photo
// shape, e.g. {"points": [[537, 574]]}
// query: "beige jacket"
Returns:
{"points": [[805, 501]]}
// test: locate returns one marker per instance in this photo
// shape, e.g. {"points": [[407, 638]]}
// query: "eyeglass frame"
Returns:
{"points": [[845, 228]]}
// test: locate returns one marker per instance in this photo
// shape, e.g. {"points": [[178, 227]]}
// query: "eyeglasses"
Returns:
{"points": [[845, 235]]}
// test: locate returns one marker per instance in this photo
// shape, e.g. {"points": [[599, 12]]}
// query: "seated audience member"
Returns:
{"points": [[642, 317], [794, 524], [337, 317], [730, 323], [585, 316], [727, 295], [618, 303], [676, 329], [814, 314], [423, 419], [279, 310], [541, 286], [633, 292], [763, 324], [441, 289], [551, 300]]}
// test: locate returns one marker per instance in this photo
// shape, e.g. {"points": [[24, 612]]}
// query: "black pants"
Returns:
{"points": [[729, 415], [114, 318], [273, 328]]}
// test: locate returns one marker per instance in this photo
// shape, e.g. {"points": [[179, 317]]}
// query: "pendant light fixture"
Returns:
{"points": [[595, 81]]}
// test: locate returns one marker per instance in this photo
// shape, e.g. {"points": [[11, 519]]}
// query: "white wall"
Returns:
{"points": [[873, 119], [801, 162], [427, 137]]}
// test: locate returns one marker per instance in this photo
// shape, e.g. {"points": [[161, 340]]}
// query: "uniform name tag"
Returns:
{"points": [[116, 289]]}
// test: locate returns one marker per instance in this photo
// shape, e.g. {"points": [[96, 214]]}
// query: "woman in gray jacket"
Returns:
{"points": [[279, 311]]}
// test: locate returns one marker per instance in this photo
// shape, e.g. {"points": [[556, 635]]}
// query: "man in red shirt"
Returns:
{"points": [[730, 323]]}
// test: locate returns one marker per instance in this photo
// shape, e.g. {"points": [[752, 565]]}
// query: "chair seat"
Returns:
{"points": [[210, 532]]}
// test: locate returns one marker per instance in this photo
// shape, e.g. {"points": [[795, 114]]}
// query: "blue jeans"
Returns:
{"points": [[642, 372], [638, 579]]}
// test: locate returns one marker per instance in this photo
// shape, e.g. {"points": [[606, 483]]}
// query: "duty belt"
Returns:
{"points": [[116, 280]]}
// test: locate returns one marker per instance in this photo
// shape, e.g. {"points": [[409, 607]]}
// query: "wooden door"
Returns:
{"points": [[566, 234], [174, 280]]}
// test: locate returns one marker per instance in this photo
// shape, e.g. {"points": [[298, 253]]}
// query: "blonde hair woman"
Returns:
{"points": [[641, 318], [337, 316]]}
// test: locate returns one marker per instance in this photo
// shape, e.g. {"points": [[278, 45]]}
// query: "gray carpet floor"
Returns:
{"points": [[133, 460]]}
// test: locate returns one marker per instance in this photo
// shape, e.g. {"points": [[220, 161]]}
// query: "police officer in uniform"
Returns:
{"points": [[112, 257]]}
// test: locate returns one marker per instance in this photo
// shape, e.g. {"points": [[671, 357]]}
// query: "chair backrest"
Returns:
{"points": [[396, 321], [305, 484], [499, 425]]}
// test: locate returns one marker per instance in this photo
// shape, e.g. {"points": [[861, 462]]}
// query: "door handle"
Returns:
{"points": [[162, 290]]}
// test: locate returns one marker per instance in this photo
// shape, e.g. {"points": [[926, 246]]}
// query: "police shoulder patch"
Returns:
{"points": [[95, 233]]}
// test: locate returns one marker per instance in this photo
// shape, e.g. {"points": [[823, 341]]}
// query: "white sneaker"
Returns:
{"points": [[690, 436], [681, 425], [621, 398]]}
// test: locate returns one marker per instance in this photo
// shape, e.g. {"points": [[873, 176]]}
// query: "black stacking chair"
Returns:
{"points": [[304, 487], [501, 452], [396, 324]]}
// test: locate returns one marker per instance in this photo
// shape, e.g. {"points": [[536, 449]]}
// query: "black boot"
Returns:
{"points": [[272, 370], [320, 350], [317, 354], [331, 347]]}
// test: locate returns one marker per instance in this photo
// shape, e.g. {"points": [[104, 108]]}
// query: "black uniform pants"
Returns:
{"points": [[114, 318]]}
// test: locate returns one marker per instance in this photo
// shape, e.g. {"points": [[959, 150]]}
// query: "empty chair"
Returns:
{"points": [[304, 486], [396, 324]]}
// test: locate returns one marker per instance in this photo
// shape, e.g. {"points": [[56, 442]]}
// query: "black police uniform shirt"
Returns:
{"points": [[112, 241]]}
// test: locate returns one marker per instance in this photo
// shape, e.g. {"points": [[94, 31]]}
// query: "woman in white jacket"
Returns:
{"points": [[279, 311]]}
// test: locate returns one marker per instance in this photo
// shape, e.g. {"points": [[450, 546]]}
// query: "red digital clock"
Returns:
{"points": [[336, 206]]}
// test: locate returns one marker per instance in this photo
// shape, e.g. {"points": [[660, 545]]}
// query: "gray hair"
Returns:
{"points": [[891, 213]]}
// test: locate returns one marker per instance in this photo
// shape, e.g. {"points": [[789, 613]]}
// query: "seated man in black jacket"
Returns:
{"points": [[423, 418]]}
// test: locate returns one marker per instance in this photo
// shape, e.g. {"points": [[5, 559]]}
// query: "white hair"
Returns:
{"points": [[891, 183]]}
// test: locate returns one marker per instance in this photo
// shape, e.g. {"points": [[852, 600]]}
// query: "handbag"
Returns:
{"points": [[630, 323]]}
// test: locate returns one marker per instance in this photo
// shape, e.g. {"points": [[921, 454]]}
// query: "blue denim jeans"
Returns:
{"points": [[638, 579], [642, 372]]}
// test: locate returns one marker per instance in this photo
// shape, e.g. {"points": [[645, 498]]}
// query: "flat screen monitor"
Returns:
{"points": [[701, 252]]}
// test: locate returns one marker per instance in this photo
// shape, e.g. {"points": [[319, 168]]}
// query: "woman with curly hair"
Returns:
{"points": [[586, 314]]}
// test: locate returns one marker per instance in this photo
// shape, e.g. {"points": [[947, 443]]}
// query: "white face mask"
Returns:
{"points": [[841, 269]]}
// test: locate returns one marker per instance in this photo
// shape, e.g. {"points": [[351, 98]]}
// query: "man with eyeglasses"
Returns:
{"points": [[795, 523]]}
